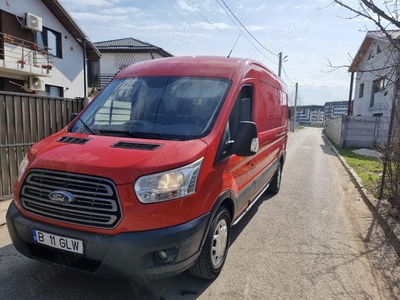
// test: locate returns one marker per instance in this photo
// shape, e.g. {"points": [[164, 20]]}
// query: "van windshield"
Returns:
{"points": [[180, 108]]}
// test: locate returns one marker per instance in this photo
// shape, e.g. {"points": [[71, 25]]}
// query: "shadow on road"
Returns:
{"points": [[238, 228], [30, 279], [326, 148]]}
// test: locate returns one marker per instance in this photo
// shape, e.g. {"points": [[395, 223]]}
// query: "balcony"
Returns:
{"points": [[21, 57]]}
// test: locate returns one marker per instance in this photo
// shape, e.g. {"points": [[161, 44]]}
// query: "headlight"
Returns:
{"points": [[168, 185], [22, 167]]}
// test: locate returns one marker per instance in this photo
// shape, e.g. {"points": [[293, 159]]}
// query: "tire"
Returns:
{"points": [[215, 249], [275, 183]]}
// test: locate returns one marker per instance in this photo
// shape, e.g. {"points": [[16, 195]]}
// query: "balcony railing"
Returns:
{"points": [[99, 81], [21, 56]]}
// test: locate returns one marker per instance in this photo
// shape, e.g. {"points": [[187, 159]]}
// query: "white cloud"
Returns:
{"points": [[186, 5], [81, 5], [209, 26], [253, 9], [256, 27]]}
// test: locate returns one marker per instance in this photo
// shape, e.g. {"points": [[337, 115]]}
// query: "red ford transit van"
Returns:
{"points": [[151, 176]]}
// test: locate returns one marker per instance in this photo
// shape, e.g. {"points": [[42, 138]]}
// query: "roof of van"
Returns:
{"points": [[207, 66]]}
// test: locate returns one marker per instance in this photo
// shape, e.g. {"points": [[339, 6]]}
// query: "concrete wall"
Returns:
{"points": [[352, 131], [333, 129]]}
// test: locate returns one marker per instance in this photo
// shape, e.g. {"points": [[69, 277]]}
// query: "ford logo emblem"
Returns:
{"points": [[61, 197]]}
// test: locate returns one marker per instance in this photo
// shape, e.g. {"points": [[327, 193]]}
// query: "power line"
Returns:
{"points": [[246, 28], [244, 33], [211, 22], [284, 71]]}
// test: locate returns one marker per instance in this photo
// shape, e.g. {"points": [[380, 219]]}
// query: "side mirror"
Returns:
{"points": [[246, 140], [72, 117]]}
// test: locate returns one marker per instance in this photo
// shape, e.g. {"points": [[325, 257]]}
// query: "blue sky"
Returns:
{"points": [[308, 32]]}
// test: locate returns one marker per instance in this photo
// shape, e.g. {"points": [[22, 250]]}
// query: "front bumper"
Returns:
{"points": [[130, 254]]}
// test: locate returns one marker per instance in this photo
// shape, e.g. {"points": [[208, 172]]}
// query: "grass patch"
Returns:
{"points": [[368, 168]]}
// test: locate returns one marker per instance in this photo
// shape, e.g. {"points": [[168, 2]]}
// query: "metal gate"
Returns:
{"points": [[24, 120]]}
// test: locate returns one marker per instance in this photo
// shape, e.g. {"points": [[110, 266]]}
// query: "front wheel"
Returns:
{"points": [[213, 255], [275, 183]]}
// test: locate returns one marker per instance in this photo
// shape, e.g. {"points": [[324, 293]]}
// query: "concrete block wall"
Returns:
{"points": [[352, 131], [333, 129]]}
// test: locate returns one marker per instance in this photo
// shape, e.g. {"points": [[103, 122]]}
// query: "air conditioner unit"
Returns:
{"points": [[33, 22], [36, 84]]}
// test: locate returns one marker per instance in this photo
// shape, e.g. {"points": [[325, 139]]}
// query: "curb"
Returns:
{"points": [[385, 222]]}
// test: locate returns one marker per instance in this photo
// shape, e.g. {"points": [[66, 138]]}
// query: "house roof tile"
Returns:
{"points": [[129, 44]]}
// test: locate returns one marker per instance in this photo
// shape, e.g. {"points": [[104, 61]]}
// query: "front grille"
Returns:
{"points": [[96, 202]]}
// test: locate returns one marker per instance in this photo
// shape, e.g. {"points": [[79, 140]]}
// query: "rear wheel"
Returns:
{"points": [[213, 255], [275, 183]]}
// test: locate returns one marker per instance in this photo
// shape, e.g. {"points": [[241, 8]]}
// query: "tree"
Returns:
{"points": [[385, 16]]}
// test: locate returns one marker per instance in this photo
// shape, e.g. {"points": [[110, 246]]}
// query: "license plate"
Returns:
{"points": [[58, 242]]}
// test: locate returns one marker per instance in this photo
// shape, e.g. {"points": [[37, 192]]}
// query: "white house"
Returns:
{"points": [[42, 49], [118, 54], [374, 66]]}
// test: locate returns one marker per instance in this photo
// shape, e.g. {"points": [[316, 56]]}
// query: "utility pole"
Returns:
{"points": [[349, 106], [295, 107], [281, 61], [280, 64]]}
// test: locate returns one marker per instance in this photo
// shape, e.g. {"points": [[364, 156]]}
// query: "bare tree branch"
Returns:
{"points": [[379, 14]]}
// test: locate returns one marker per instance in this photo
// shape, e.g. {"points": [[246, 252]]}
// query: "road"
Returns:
{"points": [[316, 239]]}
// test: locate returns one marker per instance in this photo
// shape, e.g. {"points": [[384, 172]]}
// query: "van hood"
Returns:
{"points": [[122, 160]]}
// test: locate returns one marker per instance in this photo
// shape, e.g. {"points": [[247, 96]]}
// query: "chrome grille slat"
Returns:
{"points": [[65, 209], [50, 203], [57, 180], [80, 198], [96, 202], [88, 222]]}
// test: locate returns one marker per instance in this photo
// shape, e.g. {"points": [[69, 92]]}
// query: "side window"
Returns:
{"points": [[242, 110], [361, 91]]}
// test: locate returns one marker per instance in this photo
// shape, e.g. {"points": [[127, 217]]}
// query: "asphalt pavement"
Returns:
{"points": [[3, 210], [315, 239]]}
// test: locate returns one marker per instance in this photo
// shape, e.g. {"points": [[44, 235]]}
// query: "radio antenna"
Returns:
{"points": [[234, 45]]}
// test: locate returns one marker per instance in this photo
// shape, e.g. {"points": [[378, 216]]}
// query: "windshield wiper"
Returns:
{"points": [[87, 127], [137, 134]]}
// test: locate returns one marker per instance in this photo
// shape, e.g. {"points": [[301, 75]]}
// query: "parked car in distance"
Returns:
{"points": [[152, 175]]}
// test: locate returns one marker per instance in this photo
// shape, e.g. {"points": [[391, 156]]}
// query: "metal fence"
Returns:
{"points": [[24, 120], [100, 81]]}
